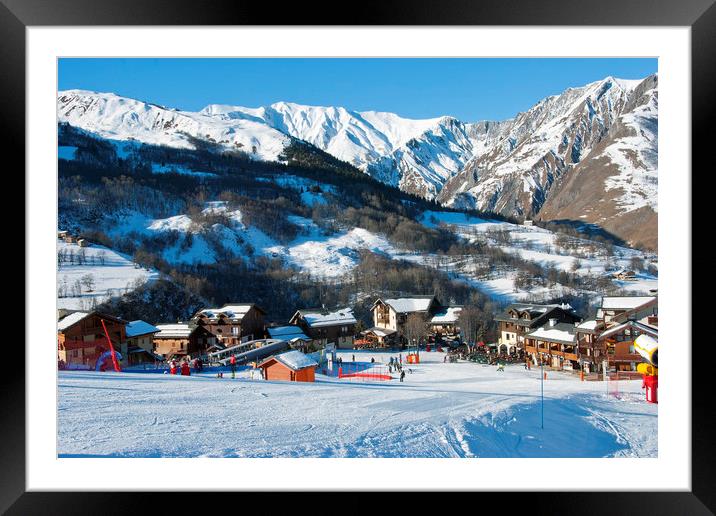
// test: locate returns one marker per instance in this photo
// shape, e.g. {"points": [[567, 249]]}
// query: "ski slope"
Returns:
{"points": [[441, 410]]}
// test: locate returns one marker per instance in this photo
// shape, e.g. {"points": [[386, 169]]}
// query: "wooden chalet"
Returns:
{"points": [[324, 327], [554, 344], [392, 313], [139, 347], [619, 343], [591, 351], [610, 336], [182, 339], [376, 337], [81, 338], [232, 323], [444, 324], [519, 319], [618, 308], [292, 366]]}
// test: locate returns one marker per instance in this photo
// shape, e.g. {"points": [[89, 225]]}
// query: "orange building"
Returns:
{"points": [[292, 366]]}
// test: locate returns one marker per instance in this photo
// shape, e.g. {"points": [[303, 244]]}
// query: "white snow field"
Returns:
{"points": [[113, 274], [441, 410]]}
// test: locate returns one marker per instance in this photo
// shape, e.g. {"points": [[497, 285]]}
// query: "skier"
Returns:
{"points": [[354, 358], [402, 375], [199, 364], [173, 367], [372, 360], [185, 371]]}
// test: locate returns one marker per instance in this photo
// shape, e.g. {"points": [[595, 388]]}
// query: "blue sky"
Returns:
{"points": [[468, 88]]}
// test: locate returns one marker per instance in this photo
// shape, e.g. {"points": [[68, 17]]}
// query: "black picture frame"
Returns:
{"points": [[699, 15]]}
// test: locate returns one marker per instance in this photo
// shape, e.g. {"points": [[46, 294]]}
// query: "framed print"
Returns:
{"points": [[423, 252]]}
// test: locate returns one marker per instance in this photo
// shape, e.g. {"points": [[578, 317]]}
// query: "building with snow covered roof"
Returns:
{"points": [[518, 319], [324, 327], [392, 313], [291, 366], [181, 339], [620, 308], [553, 344], [444, 324], [139, 346], [233, 323], [81, 337]]}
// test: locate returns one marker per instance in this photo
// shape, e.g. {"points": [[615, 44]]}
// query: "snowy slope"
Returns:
{"points": [[441, 410], [113, 274]]}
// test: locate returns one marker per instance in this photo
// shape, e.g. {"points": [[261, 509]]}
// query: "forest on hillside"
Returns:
{"points": [[100, 183]]}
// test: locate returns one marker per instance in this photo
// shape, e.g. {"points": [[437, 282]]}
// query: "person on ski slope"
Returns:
{"points": [[232, 361], [185, 370]]}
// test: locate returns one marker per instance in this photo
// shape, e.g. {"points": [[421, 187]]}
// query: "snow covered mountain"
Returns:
{"points": [[588, 154], [527, 155], [416, 155], [119, 118]]}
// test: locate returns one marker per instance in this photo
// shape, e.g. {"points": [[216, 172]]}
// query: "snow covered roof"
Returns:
{"points": [[294, 360], [76, 317], [380, 332], [71, 319], [449, 315], [139, 327], [410, 304], [561, 332], [588, 325], [319, 318], [287, 333], [168, 331], [624, 302], [231, 311]]}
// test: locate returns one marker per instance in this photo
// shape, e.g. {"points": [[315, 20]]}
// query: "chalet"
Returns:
{"points": [[139, 346], [181, 339], [81, 337], [392, 314], [323, 326], [292, 366], [554, 344], [376, 337], [518, 319], [232, 324], [591, 352], [613, 307], [444, 324], [82, 242], [610, 336], [619, 343], [62, 234]]}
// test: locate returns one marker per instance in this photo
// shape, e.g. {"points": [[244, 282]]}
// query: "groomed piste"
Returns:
{"points": [[441, 410]]}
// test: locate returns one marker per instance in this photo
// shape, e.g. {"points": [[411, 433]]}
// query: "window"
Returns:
{"points": [[235, 330]]}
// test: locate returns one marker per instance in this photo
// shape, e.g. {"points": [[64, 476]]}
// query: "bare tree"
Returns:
{"points": [[88, 281], [415, 328]]}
